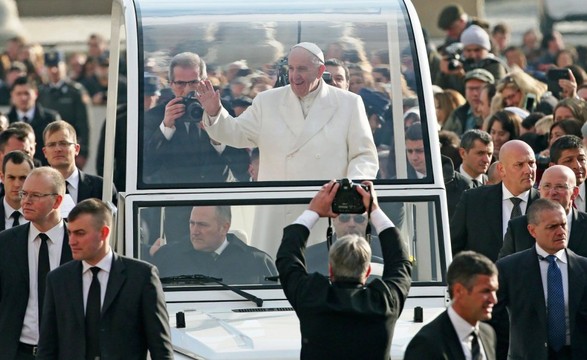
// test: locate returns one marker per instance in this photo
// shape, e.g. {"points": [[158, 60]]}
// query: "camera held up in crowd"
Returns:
{"points": [[454, 55], [347, 200], [193, 109]]}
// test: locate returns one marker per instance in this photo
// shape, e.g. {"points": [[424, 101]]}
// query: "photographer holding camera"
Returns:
{"points": [[177, 148], [342, 317], [473, 52]]}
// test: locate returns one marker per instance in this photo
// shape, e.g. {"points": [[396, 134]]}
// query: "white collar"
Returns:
{"points": [[105, 264], [506, 194], [462, 326]]}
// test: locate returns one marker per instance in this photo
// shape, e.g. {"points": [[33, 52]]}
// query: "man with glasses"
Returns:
{"points": [[568, 150], [27, 253], [177, 147], [557, 184], [467, 116], [61, 148]]}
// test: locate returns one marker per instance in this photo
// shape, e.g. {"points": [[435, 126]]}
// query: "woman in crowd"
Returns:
{"points": [[571, 108], [446, 102], [503, 126], [517, 86]]}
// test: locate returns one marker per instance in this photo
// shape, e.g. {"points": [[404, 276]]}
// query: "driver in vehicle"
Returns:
{"points": [[213, 251]]}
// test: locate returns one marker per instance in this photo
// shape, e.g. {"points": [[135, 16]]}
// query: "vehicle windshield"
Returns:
{"points": [[237, 245], [244, 58]]}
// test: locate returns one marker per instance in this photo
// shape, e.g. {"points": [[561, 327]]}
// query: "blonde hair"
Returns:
{"points": [[517, 79], [543, 125]]}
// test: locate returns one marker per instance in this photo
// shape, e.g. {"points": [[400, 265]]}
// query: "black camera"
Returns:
{"points": [[327, 77], [193, 109], [453, 55], [347, 200]]}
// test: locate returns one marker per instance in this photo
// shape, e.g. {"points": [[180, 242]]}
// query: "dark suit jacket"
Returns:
{"points": [[187, 158], [14, 284], [41, 119], [521, 292], [438, 340], [517, 238], [181, 259], [2, 214], [477, 222], [90, 186], [134, 317], [344, 320]]}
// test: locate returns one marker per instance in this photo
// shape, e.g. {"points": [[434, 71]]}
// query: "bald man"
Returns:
{"points": [[305, 130], [481, 218], [558, 184]]}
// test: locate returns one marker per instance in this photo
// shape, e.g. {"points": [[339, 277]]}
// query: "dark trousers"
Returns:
{"points": [[25, 353], [562, 354]]}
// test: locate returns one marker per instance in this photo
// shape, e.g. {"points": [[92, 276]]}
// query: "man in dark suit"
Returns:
{"points": [[177, 148], [480, 220], [18, 136], [27, 253], [212, 251], [568, 150], [16, 166], [82, 321], [557, 184], [68, 98], [459, 333], [61, 149], [23, 95], [476, 150], [341, 317], [544, 290]]}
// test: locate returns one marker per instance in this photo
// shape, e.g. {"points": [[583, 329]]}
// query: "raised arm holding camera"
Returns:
{"points": [[342, 317], [177, 148]]}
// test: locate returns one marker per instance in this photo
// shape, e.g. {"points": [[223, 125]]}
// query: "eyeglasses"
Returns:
{"points": [[359, 219], [34, 197], [557, 188], [59, 144], [185, 83]]}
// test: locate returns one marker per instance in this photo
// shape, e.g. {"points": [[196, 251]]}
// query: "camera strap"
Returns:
{"points": [[329, 233], [368, 228]]}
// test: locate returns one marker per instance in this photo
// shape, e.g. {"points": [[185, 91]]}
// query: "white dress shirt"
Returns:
{"points": [[464, 330], [72, 185], [8, 220], [507, 206], [563, 264], [105, 265], [30, 327]]}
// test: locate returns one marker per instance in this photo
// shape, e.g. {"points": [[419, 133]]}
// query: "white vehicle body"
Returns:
{"points": [[219, 323]]}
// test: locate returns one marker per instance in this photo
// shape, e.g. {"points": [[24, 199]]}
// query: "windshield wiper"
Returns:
{"points": [[204, 279]]}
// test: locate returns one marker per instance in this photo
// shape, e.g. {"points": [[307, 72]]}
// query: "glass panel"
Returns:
{"points": [[245, 47], [192, 233]]}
